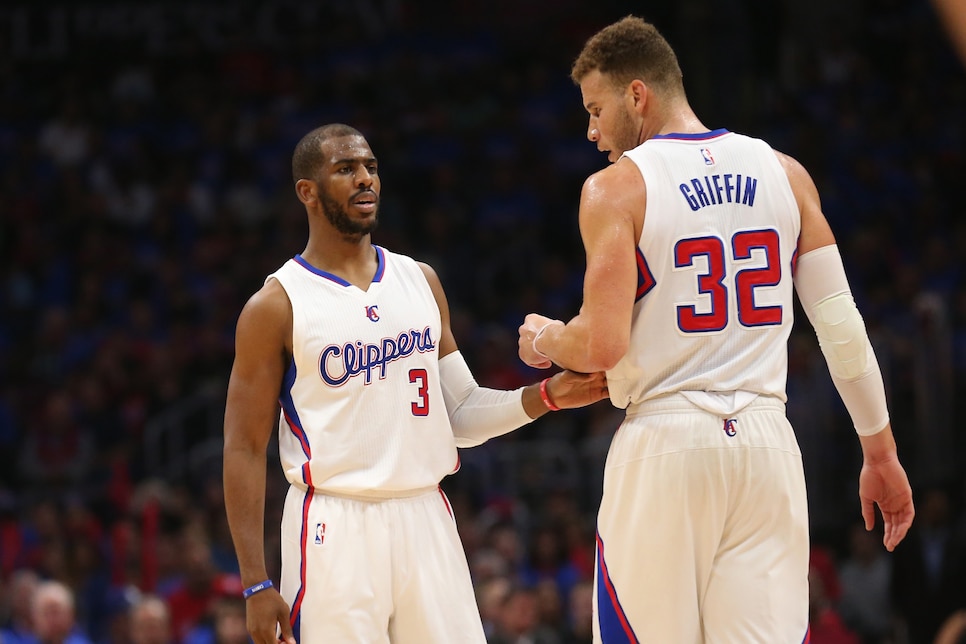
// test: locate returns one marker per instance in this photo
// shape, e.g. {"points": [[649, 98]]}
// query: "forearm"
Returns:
{"points": [[244, 481], [880, 446], [576, 347], [478, 414]]}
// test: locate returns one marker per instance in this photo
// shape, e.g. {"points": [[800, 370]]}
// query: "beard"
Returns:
{"points": [[340, 220], [626, 134]]}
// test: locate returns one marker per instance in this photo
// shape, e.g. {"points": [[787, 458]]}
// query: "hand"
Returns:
{"points": [[528, 330], [267, 613], [570, 389], [884, 483]]}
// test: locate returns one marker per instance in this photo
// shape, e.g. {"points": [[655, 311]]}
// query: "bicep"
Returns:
{"points": [[608, 230], [815, 230], [256, 376], [447, 341]]}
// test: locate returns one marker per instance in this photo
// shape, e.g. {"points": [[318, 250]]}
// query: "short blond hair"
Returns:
{"points": [[630, 49]]}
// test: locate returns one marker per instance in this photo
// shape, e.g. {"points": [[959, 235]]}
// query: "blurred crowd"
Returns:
{"points": [[145, 192]]}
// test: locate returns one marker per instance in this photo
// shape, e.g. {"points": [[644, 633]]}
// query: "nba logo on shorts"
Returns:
{"points": [[319, 533], [729, 426], [706, 155]]}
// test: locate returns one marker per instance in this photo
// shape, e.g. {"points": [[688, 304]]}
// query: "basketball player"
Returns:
{"points": [[694, 239], [354, 342]]}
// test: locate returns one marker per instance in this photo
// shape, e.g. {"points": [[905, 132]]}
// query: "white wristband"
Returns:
{"points": [[538, 334]]}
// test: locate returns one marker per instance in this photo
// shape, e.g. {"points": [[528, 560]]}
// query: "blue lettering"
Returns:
{"points": [[717, 185], [728, 186], [707, 182], [335, 352], [359, 358], [751, 185], [686, 191], [702, 197]]}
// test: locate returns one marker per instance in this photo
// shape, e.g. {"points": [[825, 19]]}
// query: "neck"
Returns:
{"points": [[679, 119], [354, 260]]}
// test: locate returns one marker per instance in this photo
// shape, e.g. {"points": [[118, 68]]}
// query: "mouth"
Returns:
{"points": [[366, 202]]}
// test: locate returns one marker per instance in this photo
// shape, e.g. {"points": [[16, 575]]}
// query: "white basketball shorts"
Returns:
{"points": [[703, 528], [376, 572]]}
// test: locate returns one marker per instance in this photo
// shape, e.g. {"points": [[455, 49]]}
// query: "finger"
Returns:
{"points": [[900, 528], [888, 537], [286, 632], [868, 514]]}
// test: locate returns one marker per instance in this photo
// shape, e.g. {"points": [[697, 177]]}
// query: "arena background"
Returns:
{"points": [[145, 192]]}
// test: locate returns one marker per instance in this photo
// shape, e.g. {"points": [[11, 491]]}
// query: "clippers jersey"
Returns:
{"points": [[715, 261], [362, 409]]}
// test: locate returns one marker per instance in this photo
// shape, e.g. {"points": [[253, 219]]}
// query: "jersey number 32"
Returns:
{"points": [[715, 283]]}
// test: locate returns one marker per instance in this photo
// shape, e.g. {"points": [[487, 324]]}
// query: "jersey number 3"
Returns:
{"points": [[418, 377], [746, 280]]}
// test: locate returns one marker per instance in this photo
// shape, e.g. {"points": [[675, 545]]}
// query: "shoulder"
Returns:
{"points": [[430, 274], [618, 187], [621, 176], [803, 186], [268, 305], [793, 168]]}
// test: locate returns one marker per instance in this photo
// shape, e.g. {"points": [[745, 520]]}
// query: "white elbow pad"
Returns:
{"points": [[842, 336], [827, 299], [476, 413]]}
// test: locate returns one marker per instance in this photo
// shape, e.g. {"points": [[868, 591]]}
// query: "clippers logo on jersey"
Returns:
{"points": [[372, 312], [729, 426], [339, 363], [319, 533], [706, 155]]}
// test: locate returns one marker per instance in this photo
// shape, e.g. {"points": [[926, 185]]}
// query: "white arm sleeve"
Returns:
{"points": [[827, 299], [476, 413]]}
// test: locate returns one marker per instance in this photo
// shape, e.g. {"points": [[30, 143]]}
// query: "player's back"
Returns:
{"points": [[362, 409], [715, 260]]}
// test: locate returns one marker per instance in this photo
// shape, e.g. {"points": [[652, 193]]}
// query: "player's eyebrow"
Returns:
{"points": [[355, 160]]}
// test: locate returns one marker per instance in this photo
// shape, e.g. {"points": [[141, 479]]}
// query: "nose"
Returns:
{"points": [[363, 177]]}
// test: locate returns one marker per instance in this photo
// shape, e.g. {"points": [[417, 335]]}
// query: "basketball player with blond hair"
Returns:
{"points": [[695, 240]]}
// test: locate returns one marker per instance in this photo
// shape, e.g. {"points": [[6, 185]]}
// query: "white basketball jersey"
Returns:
{"points": [[715, 261], [362, 409]]}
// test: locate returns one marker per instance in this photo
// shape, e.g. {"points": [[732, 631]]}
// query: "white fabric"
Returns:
{"points": [[703, 529], [841, 335], [715, 301], [477, 413], [383, 571], [823, 289], [361, 403]]}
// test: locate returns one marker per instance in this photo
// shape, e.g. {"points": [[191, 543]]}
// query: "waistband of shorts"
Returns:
{"points": [[678, 403], [369, 497]]}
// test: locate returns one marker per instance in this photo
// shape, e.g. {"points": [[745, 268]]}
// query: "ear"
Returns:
{"points": [[306, 191], [638, 94]]}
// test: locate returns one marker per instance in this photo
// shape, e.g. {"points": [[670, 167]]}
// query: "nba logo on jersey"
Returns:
{"points": [[706, 155], [372, 312], [319, 533], [729, 426]]}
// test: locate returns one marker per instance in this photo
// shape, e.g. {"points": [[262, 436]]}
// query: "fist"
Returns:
{"points": [[532, 325]]}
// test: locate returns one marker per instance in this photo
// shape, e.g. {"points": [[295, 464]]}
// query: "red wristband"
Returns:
{"points": [[546, 396]]}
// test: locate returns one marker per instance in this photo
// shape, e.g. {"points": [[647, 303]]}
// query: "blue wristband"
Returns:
{"points": [[257, 588]]}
